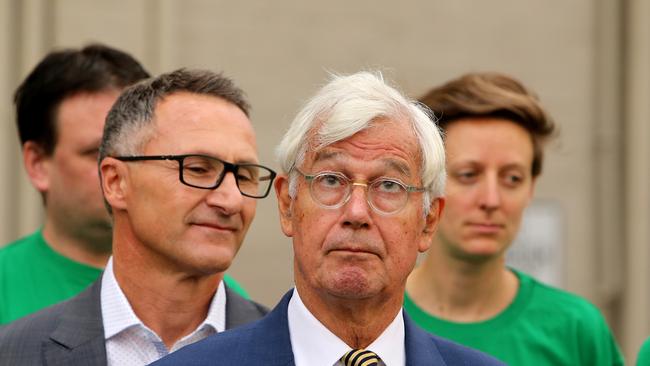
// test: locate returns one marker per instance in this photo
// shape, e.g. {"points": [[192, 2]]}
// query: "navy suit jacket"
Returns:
{"points": [[266, 342]]}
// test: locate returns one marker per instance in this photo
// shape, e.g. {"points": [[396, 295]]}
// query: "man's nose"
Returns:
{"points": [[357, 209], [227, 196]]}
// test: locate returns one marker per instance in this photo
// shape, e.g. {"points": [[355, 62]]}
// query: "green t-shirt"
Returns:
{"points": [[33, 276], [542, 326], [644, 354]]}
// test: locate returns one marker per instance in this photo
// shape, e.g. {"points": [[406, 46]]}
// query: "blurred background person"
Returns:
{"points": [[60, 110], [495, 130]]}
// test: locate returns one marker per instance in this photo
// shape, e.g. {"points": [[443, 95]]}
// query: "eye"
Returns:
{"points": [[330, 181], [387, 186], [195, 169], [197, 166], [513, 180], [247, 174], [466, 176], [91, 153]]}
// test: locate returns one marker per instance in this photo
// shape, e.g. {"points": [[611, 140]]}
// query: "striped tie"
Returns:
{"points": [[360, 357]]}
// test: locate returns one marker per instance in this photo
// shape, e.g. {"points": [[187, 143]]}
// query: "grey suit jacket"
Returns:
{"points": [[72, 332]]}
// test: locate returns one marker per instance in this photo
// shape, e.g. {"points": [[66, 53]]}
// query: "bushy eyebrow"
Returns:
{"points": [[478, 163], [393, 164]]}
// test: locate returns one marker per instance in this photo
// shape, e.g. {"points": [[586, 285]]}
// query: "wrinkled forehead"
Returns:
{"points": [[392, 144]]}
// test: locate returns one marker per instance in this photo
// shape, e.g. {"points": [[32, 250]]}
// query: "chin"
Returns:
{"points": [[211, 263], [210, 268], [477, 252], [351, 284]]}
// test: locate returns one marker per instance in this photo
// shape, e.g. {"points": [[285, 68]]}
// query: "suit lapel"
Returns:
{"points": [[273, 330], [239, 311], [421, 350], [78, 339]]}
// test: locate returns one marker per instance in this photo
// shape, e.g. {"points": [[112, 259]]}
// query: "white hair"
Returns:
{"points": [[352, 103]]}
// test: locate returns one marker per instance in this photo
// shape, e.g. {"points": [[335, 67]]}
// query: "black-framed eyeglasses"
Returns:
{"points": [[387, 196], [207, 172]]}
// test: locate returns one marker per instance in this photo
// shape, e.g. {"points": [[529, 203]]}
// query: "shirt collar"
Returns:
{"points": [[117, 314], [313, 344]]}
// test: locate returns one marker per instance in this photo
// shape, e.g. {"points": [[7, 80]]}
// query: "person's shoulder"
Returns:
{"points": [[423, 348], [25, 340], [643, 358], [258, 308], [456, 354], [554, 299], [249, 305], [18, 247], [240, 311], [26, 335], [228, 347], [42, 321], [264, 341]]}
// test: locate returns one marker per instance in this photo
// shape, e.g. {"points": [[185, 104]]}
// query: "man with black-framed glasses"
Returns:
{"points": [[180, 175]]}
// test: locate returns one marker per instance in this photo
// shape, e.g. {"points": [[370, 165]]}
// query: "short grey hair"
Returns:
{"points": [[129, 122], [352, 103]]}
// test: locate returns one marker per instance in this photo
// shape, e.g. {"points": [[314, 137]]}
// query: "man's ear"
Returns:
{"points": [[431, 223], [281, 186], [114, 179], [37, 165]]}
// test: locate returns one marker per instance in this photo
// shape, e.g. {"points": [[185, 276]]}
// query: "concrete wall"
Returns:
{"points": [[577, 55]]}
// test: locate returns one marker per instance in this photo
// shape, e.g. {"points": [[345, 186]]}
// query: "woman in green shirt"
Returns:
{"points": [[495, 130]]}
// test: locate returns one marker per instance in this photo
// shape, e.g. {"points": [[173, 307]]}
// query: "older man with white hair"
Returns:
{"points": [[361, 196]]}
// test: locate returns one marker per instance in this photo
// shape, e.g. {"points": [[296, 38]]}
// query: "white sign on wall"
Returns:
{"points": [[539, 248]]}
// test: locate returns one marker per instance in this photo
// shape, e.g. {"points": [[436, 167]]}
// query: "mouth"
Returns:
{"points": [[214, 226], [353, 251], [486, 227]]}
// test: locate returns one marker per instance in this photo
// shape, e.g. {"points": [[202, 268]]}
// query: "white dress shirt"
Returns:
{"points": [[130, 342], [315, 345]]}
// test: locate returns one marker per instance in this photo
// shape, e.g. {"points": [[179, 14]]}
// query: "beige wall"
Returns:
{"points": [[635, 312], [573, 53]]}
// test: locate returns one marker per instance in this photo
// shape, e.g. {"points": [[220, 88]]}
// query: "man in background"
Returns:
{"points": [[60, 112], [180, 174]]}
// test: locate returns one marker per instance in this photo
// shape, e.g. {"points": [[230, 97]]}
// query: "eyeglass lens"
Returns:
{"points": [[384, 195], [204, 172]]}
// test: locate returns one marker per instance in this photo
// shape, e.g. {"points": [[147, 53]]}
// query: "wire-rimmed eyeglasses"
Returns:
{"points": [[387, 196], [207, 172]]}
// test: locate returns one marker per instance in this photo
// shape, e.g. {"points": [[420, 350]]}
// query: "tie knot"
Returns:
{"points": [[360, 357]]}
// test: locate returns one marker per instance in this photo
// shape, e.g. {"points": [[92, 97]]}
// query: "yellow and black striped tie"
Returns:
{"points": [[360, 357]]}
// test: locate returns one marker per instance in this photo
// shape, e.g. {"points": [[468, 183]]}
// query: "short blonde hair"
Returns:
{"points": [[492, 94]]}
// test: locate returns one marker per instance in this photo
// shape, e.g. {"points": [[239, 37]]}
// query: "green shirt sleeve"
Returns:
{"points": [[597, 341], [644, 354]]}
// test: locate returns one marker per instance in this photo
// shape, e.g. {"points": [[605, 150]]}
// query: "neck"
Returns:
{"points": [[459, 290], [154, 292], [75, 247], [357, 322]]}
